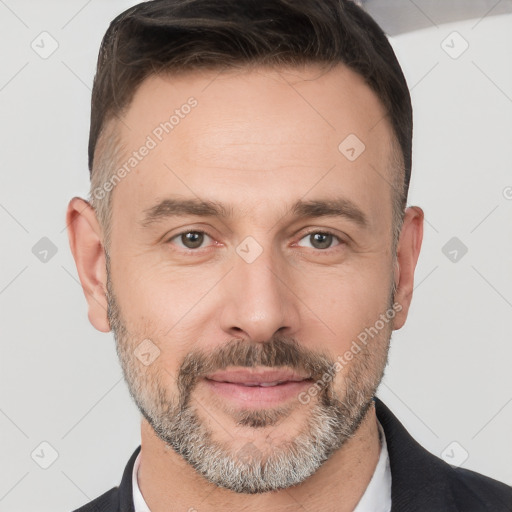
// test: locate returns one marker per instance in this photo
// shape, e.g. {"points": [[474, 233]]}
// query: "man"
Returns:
{"points": [[247, 241]]}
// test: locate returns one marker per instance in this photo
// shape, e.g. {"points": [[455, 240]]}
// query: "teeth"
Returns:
{"points": [[268, 384], [263, 384], [256, 384]]}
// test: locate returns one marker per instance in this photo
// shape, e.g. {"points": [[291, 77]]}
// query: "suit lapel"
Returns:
{"points": [[419, 480], [125, 488]]}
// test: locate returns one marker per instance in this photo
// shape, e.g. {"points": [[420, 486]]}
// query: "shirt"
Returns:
{"points": [[376, 497]]}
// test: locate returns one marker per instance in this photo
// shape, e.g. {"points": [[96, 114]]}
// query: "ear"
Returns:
{"points": [[408, 251], [86, 242]]}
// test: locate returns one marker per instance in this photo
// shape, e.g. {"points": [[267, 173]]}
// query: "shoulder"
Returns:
{"points": [[471, 489], [118, 499], [422, 481], [107, 502]]}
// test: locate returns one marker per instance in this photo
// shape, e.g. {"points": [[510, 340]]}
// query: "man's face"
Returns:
{"points": [[224, 323]]}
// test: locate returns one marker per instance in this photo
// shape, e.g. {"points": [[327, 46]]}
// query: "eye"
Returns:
{"points": [[194, 239], [189, 239], [321, 239]]}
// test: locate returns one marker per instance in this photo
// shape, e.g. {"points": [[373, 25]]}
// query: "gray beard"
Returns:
{"points": [[331, 422], [248, 470]]}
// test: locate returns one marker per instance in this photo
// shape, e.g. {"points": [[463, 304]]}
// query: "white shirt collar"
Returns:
{"points": [[139, 504], [376, 498]]}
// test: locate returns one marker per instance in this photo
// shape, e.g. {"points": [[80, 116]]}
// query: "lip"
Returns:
{"points": [[253, 388], [255, 376]]}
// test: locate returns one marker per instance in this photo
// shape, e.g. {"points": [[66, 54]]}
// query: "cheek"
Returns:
{"points": [[156, 321], [159, 295], [347, 300]]}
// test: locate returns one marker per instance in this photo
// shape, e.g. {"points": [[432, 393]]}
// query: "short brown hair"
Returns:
{"points": [[166, 36]]}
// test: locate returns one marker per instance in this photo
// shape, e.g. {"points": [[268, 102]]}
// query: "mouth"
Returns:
{"points": [[257, 388]]}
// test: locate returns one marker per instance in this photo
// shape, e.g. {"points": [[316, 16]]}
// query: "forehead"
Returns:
{"points": [[244, 135]]}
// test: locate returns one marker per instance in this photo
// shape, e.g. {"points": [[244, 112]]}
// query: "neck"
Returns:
{"points": [[168, 482]]}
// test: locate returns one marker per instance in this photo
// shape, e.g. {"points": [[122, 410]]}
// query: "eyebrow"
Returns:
{"points": [[174, 207]]}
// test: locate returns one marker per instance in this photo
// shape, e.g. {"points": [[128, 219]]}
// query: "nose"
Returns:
{"points": [[258, 299]]}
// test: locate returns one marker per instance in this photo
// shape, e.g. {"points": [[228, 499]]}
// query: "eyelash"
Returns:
{"points": [[201, 250]]}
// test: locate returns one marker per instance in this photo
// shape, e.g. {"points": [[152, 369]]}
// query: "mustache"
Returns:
{"points": [[278, 352]]}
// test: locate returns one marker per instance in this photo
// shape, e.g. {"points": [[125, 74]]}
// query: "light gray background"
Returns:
{"points": [[449, 377]]}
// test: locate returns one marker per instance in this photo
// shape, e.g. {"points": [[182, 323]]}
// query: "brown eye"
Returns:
{"points": [[189, 239], [192, 240], [321, 240]]}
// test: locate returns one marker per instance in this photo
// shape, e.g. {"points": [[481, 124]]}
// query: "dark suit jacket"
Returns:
{"points": [[420, 482]]}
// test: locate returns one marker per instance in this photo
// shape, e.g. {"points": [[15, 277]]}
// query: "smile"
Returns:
{"points": [[257, 388]]}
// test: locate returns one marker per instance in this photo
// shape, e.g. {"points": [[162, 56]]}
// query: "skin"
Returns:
{"points": [[258, 141]]}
